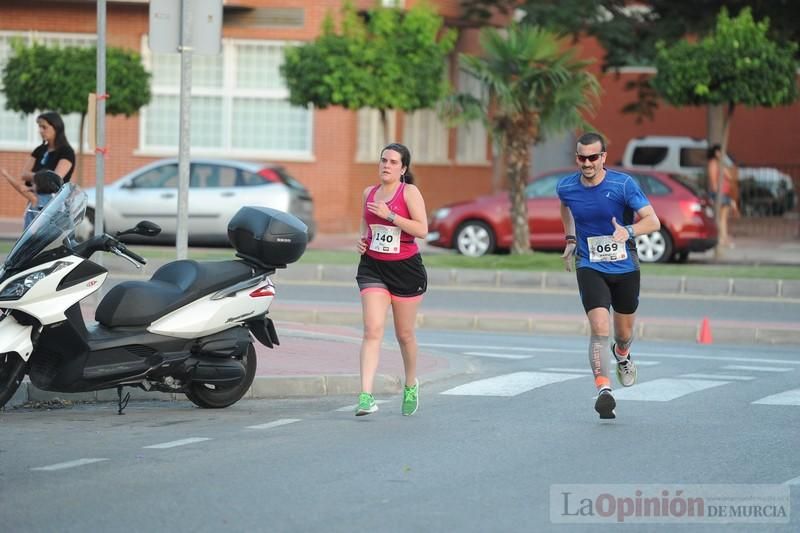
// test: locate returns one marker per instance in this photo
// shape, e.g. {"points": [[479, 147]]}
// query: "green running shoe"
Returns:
{"points": [[366, 404], [411, 399]]}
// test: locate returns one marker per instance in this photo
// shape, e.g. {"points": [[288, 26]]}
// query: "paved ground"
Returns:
{"points": [[319, 349]]}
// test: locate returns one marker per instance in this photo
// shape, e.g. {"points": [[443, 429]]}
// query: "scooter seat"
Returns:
{"points": [[138, 303]]}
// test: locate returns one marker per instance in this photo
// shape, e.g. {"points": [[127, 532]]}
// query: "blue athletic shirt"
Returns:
{"points": [[618, 195]]}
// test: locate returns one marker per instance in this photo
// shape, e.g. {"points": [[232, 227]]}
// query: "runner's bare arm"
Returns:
{"points": [[361, 246], [417, 225], [569, 229]]}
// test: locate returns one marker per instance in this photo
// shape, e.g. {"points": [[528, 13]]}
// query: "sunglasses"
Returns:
{"points": [[592, 158]]}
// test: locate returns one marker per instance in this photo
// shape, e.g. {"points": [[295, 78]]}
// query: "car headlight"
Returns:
{"points": [[441, 213], [18, 287]]}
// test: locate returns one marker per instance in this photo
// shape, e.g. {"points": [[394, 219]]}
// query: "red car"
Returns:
{"points": [[483, 225]]}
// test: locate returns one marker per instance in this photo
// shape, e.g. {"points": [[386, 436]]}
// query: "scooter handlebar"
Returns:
{"points": [[126, 251]]}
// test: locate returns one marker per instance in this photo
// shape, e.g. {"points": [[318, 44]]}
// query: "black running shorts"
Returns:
{"points": [[405, 278], [598, 289]]}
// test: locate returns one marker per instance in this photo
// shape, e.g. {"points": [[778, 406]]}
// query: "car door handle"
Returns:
{"points": [[168, 195], [227, 194]]}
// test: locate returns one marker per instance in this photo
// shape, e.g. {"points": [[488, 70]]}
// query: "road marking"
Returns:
{"points": [[665, 389], [176, 443], [718, 376], [275, 423], [509, 384], [499, 355], [69, 464], [573, 370], [759, 368], [646, 363], [637, 353], [789, 397], [353, 407]]}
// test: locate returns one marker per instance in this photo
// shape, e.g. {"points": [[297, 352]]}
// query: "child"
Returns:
{"points": [[46, 184]]}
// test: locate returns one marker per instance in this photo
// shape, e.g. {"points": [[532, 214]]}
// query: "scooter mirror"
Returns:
{"points": [[145, 227]]}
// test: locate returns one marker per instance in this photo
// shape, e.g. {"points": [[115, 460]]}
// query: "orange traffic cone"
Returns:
{"points": [[704, 336]]}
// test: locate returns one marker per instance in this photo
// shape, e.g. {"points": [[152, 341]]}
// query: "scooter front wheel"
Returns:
{"points": [[12, 370], [207, 397]]}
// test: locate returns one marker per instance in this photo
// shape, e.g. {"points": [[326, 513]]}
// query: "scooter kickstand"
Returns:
{"points": [[122, 403]]}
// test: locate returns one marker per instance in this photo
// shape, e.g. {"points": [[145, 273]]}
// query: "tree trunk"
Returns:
{"points": [[517, 158], [385, 124], [715, 123]]}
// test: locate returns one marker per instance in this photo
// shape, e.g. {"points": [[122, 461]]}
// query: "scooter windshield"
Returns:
{"points": [[51, 228]]}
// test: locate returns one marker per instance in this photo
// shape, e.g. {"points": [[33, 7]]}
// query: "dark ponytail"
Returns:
{"points": [[405, 160]]}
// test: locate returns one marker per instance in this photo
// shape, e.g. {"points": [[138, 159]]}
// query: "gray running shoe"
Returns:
{"points": [[605, 404], [626, 368]]}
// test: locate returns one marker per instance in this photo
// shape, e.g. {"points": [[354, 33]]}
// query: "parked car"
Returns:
{"points": [[762, 190], [483, 225], [217, 189]]}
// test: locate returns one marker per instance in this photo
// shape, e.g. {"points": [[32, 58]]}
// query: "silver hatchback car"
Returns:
{"points": [[217, 189]]}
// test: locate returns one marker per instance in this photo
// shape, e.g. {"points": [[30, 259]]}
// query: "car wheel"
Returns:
{"points": [[474, 239], [654, 247]]}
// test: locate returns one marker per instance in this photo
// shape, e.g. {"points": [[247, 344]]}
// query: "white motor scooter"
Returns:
{"points": [[187, 329]]}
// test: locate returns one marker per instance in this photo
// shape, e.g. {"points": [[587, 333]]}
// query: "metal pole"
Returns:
{"points": [[182, 237], [100, 122]]}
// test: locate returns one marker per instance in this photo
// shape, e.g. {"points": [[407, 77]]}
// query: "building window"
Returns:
{"points": [[426, 137], [239, 104], [471, 137], [371, 136], [18, 131]]}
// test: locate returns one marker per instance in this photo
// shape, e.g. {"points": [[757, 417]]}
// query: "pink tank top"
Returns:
{"points": [[382, 234]]}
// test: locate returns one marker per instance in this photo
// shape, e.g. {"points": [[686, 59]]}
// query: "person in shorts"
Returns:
{"points": [[598, 209], [391, 273]]}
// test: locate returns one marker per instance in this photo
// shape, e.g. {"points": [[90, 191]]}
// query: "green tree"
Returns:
{"points": [[39, 77], [629, 31], [738, 64], [389, 59], [533, 87]]}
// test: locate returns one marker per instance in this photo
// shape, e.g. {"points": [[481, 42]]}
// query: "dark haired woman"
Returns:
{"points": [[391, 273], [54, 153], [725, 186]]}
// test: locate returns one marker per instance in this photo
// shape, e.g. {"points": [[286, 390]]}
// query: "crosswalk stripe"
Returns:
{"points": [[69, 464], [509, 384], [759, 368], [665, 389], [719, 376], [498, 355], [568, 370], [275, 423], [789, 397], [646, 363], [176, 443]]}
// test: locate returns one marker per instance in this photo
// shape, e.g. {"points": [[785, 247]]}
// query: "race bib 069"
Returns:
{"points": [[604, 248], [385, 239]]}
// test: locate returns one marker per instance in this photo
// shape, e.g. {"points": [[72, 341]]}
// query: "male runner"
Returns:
{"points": [[597, 208]]}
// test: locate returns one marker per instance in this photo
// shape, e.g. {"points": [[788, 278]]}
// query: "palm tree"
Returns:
{"points": [[533, 87]]}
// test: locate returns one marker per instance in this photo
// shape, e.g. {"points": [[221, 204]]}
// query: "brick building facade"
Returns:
{"points": [[334, 151]]}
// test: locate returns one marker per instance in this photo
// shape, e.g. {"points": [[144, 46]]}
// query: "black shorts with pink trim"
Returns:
{"points": [[404, 278]]}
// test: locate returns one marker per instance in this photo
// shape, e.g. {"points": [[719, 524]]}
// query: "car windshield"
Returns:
{"points": [[50, 229], [690, 184]]}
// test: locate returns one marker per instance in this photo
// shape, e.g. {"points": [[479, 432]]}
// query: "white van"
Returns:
{"points": [[762, 190]]}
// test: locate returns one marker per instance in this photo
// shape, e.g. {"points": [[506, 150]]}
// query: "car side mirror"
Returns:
{"points": [[145, 228]]}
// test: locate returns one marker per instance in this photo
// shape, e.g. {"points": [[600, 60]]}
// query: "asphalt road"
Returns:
{"points": [[478, 300], [490, 450]]}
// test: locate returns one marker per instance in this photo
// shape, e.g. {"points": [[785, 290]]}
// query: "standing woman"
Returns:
{"points": [[54, 153], [725, 186], [391, 272]]}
